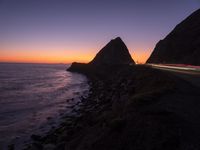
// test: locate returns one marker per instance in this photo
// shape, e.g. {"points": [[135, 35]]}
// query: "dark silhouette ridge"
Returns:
{"points": [[114, 53], [182, 45]]}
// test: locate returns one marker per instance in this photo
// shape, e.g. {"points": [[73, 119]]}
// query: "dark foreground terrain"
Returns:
{"points": [[130, 107]]}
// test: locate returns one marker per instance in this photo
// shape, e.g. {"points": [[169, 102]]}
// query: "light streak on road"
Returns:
{"points": [[176, 67]]}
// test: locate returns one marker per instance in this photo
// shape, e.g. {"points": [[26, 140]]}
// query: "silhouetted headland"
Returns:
{"points": [[126, 108], [182, 45], [115, 53], [129, 107]]}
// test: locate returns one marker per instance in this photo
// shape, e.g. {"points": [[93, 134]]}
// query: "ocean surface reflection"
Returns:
{"points": [[34, 96]]}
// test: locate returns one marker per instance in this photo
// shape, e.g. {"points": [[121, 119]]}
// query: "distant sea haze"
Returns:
{"points": [[33, 96]]}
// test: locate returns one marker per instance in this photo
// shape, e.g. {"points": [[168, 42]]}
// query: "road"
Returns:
{"points": [[187, 73], [184, 102]]}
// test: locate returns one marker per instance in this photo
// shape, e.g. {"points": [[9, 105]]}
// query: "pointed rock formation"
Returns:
{"points": [[182, 45], [114, 53]]}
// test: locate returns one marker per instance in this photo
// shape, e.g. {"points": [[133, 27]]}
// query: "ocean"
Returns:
{"points": [[33, 98]]}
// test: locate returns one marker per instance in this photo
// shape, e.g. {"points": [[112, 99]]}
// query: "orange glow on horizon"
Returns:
{"points": [[140, 57], [45, 57], [57, 56], [42, 60]]}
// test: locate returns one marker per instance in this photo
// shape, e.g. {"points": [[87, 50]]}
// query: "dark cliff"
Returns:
{"points": [[114, 53], [182, 45]]}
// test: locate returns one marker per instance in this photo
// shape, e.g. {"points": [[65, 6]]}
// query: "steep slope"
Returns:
{"points": [[115, 52], [182, 45]]}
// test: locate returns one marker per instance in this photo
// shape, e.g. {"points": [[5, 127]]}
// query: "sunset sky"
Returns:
{"points": [[63, 31]]}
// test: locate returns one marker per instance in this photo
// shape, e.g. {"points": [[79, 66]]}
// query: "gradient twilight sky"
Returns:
{"points": [[62, 31]]}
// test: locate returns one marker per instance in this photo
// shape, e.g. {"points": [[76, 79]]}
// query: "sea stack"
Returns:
{"points": [[182, 45], [114, 53]]}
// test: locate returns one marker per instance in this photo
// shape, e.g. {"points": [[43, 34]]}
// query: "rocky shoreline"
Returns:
{"points": [[119, 113]]}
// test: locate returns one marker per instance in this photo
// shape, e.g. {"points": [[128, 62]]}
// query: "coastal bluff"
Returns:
{"points": [[114, 53], [127, 108], [182, 45]]}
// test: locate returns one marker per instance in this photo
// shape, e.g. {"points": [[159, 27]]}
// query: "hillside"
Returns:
{"points": [[182, 45]]}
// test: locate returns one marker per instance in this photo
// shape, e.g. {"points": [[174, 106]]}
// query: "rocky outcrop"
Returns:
{"points": [[182, 45], [114, 53], [121, 112]]}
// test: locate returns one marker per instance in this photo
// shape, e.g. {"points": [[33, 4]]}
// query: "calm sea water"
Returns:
{"points": [[33, 97]]}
